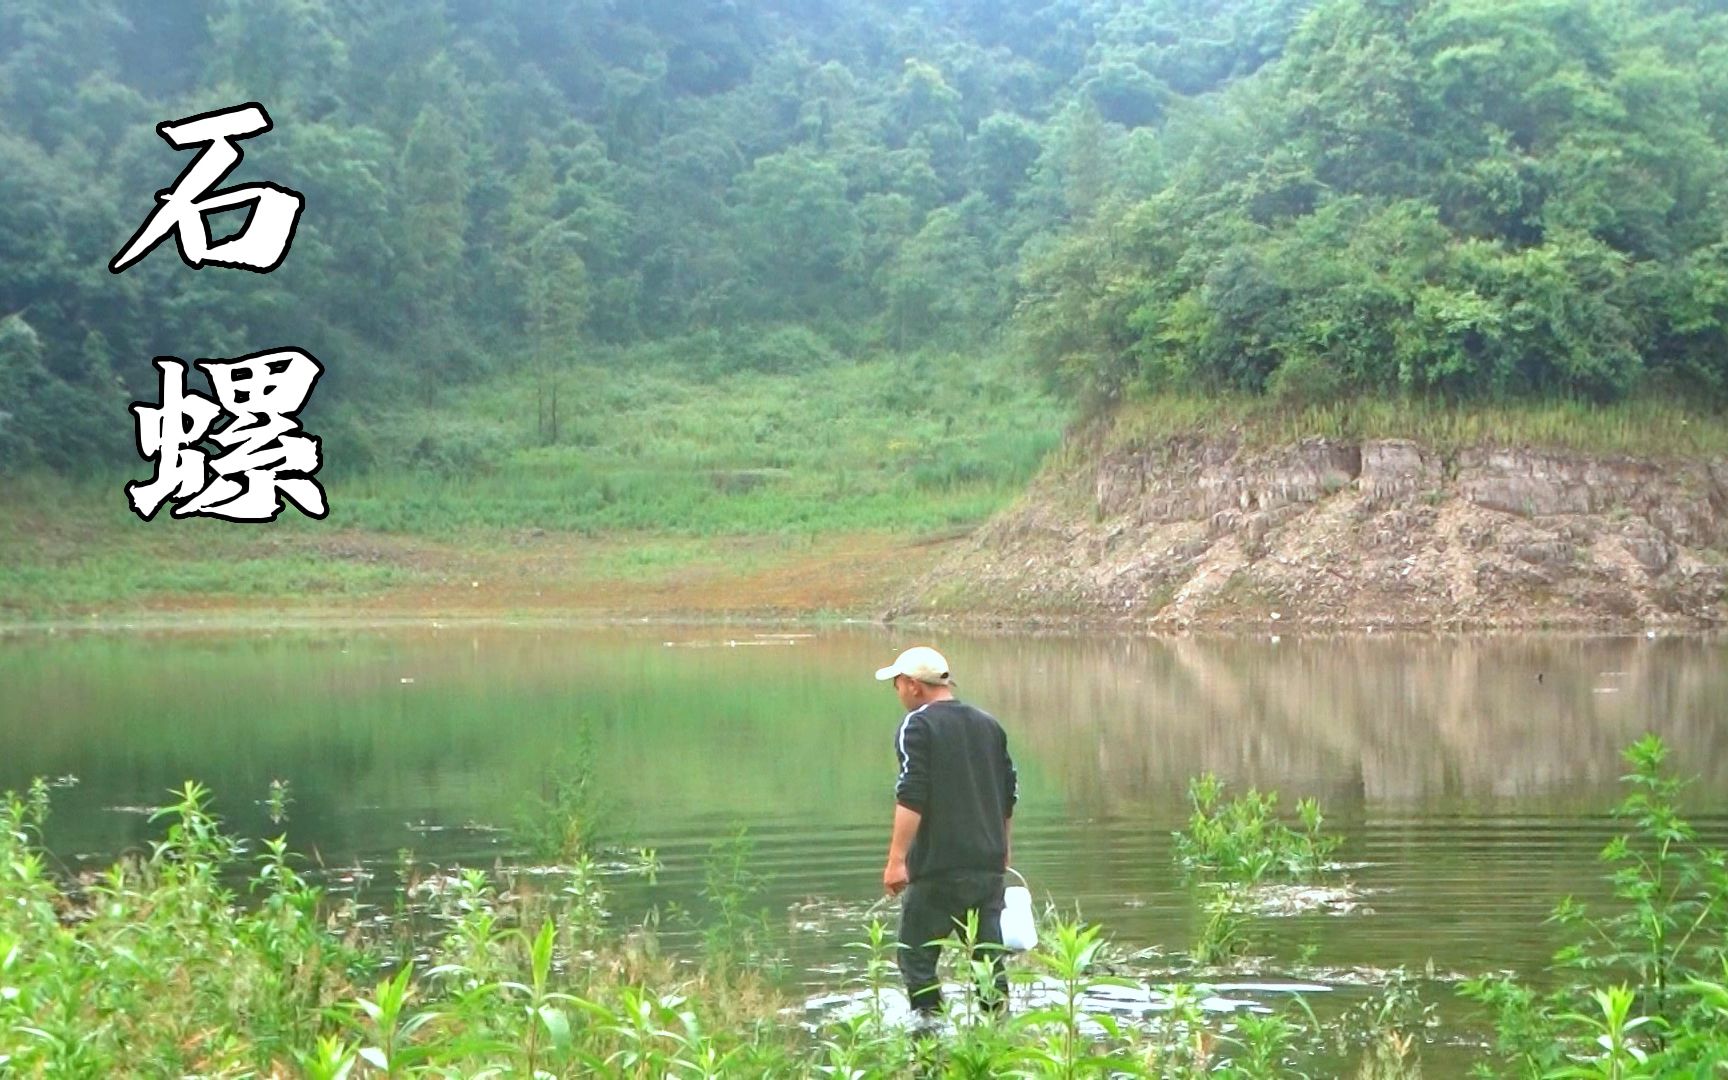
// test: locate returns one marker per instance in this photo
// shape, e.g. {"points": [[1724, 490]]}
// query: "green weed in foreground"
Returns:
{"points": [[1645, 982], [570, 814], [1242, 839], [158, 968], [1230, 847]]}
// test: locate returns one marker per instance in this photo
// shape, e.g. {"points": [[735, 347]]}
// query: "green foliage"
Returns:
{"points": [[1233, 845], [58, 416], [1465, 199], [156, 969], [715, 434], [658, 449], [504, 186], [1242, 840], [1666, 935], [1388, 1029], [1673, 893], [161, 971], [570, 815], [735, 935]]}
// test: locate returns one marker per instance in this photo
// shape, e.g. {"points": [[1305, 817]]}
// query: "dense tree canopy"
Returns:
{"points": [[1467, 197], [1458, 197]]}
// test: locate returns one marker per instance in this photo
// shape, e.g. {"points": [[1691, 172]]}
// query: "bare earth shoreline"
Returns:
{"points": [[1170, 535], [1189, 532]]}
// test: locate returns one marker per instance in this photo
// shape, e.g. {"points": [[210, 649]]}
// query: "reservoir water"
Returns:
{"points": [[1470, 777]]}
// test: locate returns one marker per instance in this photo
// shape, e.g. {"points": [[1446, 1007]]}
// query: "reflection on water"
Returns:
{"points": [[1408, 722], [1471, 776]]}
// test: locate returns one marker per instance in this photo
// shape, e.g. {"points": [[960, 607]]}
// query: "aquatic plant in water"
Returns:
{"points": [[1644, 979], [158, 968], [1230, 847]]}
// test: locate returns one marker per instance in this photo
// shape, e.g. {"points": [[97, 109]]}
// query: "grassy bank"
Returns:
{"points": [[159, 968], [1653, 428], [897, 443], [651, 481], [659, 489]]}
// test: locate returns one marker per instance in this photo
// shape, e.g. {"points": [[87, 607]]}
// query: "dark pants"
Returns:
{"points": [[936, 907]]}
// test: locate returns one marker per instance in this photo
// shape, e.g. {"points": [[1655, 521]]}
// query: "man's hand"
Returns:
{"points": [[894, 877], [906, 822]]}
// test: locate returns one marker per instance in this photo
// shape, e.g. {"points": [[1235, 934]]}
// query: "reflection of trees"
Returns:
{"points": [[799, 738], [1126, 722], [765, 732]]}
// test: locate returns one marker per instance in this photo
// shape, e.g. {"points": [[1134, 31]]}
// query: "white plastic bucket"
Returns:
{"points": [[1019, 929]]}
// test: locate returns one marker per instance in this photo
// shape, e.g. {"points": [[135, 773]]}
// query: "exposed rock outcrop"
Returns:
{"points": [[1193, 531]]}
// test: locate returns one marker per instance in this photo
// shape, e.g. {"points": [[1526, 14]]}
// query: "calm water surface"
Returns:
{"points": [[1471, 777]]}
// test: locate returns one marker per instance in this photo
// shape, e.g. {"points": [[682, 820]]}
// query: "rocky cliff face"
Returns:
{"points": [[1202, 531]]}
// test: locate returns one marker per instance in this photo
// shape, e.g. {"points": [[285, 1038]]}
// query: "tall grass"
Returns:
{"points": [[1654, 428], [903, 443], [643, 452], [158, 968]]}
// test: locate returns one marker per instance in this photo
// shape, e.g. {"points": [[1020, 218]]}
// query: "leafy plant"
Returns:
{"points": [[1242, 839], [1664, 939], [1672, 893], [1232, 845], [736, 933], [571, 814]]}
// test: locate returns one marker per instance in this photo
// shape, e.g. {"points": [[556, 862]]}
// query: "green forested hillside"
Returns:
{"points": [[522, 184], [1457, 198], [1453, 198]]}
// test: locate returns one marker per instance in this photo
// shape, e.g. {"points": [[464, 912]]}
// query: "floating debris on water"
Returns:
{"points": [[436, 885], [827, 914], [609, 867], [424, 826], [1286, 900], [1121, 1003], [730, 643]]}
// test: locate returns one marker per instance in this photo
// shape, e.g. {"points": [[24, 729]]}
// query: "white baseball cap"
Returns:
{"points": [[919, 662]]}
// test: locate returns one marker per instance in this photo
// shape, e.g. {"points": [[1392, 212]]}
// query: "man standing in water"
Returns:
{"points": [[953, 802]]}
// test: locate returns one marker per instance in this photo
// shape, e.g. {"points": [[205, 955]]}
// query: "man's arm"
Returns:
{"points": [[1010, 796], [894, 876], [911, 791]]}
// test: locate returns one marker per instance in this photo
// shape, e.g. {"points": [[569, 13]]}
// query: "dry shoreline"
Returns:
{"points": [[848, 582], [1213, 532], [1174, 535]]}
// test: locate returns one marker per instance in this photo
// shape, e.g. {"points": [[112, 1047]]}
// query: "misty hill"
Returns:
{"points": [[1462, 199], [493, 185]]}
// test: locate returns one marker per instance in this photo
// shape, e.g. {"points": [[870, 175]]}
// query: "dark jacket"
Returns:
{"points": [[955, 771]]}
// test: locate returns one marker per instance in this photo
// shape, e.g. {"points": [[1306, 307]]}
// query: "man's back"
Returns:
{"points": [[949, 847], [956, 772]]}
